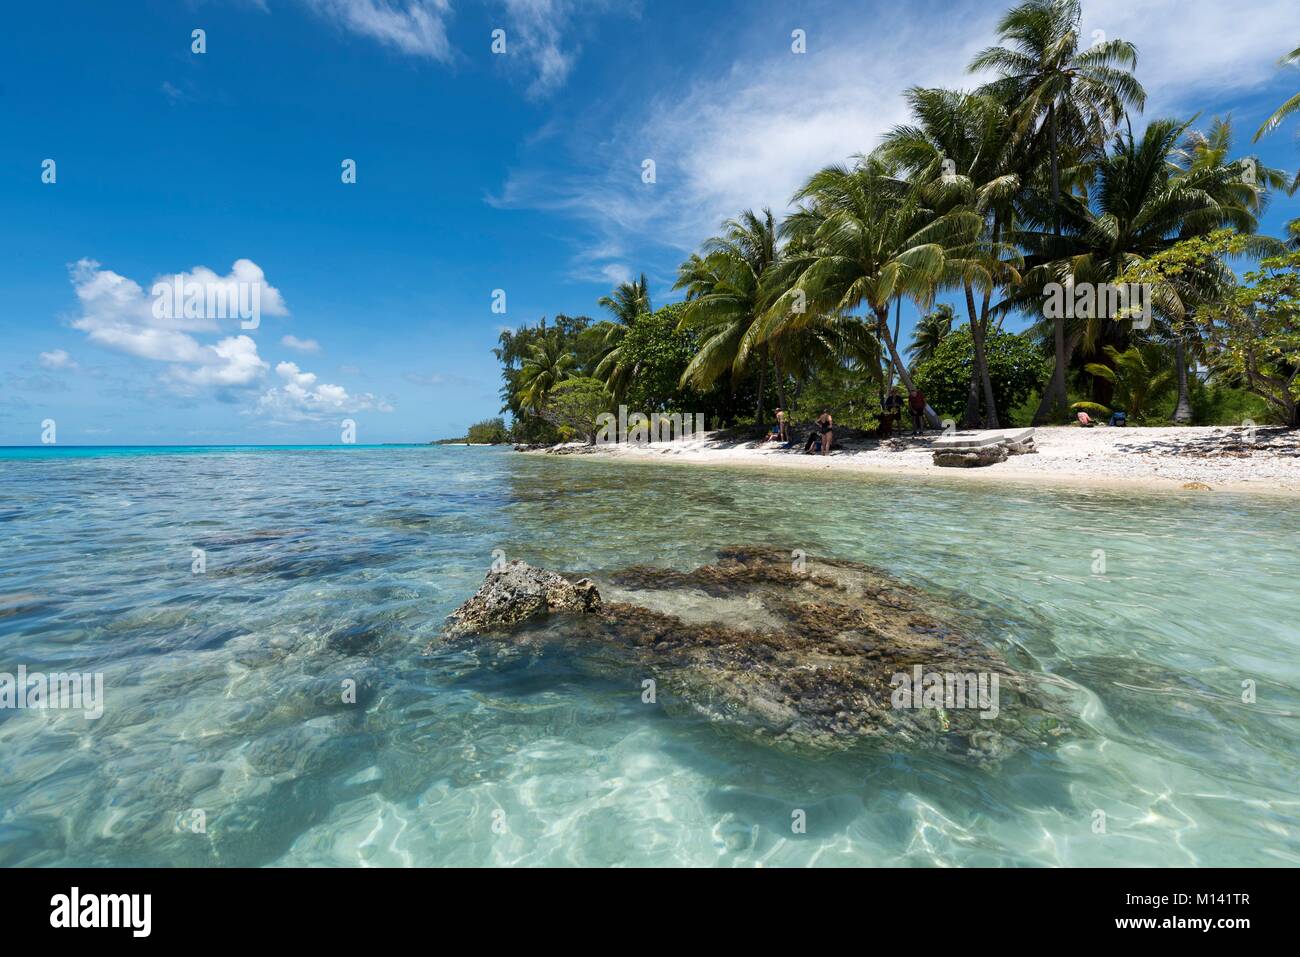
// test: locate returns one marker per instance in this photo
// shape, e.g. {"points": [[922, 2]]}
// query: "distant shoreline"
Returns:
{"points": [[1165, 459]]}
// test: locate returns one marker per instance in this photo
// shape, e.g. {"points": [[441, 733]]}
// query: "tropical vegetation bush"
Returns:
{"points": [[1016, 368], [488, 432], [1140, 376], [1252, 327], [658, 352], [851, 396], [573, 407], [1215, 404], [519, 351]]}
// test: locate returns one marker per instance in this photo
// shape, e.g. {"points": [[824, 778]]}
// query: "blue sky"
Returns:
{"points": [[475, 172]]}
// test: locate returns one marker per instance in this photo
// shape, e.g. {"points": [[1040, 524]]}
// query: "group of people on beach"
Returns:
{"points": [[822, 437], [892, 410], [1118, 419], [819, 439]]}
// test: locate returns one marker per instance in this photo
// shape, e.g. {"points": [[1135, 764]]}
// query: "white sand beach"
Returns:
{"points": [[1266, 460]]}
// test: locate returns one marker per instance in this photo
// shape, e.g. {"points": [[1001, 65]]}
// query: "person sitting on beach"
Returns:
{"points": [[1118, 419], [823, 435], [1085, 420]]}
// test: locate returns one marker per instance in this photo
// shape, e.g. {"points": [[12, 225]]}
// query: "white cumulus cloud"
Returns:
{"points": [[231, 363], [116, 313], [57, 359], [300, 397], [302, 345]]}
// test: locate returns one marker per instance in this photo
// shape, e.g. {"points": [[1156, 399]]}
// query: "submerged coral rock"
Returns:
{"points": [[792, 649], [516, 592]]}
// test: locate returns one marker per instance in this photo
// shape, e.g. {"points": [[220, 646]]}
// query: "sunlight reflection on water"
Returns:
{"points": [[328, 566]]}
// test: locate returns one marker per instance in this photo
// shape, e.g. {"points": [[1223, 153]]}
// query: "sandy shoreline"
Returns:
{"points": [[1223, 458]]}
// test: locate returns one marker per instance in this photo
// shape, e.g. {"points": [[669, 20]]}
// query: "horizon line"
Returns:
{"points": [[223, 445]]}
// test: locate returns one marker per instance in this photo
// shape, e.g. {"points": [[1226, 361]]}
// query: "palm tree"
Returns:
{"points": [[1209, 149], [725, 296], [1273, 122], [858, 240], [1139, 203], [931, 329], [1141, 374], [961, 155], [1199, 153], [1287, 108], [1074, 97], [629, 301], [1064, 102], [546, 367]]}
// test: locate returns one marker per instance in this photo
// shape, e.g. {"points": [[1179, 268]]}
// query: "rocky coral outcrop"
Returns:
{"points": [[517, 592], [800, 651], [971, 458]]}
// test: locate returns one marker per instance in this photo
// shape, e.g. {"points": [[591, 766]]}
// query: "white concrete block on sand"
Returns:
{"points": [[978, 440]]}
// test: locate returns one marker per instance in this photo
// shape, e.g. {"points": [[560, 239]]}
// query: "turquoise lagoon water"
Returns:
{"points": [[222, 689]]}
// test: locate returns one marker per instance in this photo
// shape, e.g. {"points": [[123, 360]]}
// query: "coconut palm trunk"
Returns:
{"points": [[982, 369], [1078, 94], [980, 380], [780, 383], [971, 415], [1053, 400], [896, 361], [981, 347], [1182, 411]]}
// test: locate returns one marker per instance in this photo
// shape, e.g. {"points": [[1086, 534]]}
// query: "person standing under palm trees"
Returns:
{"points": [[893, 417], [916, 405], [823, 435]]}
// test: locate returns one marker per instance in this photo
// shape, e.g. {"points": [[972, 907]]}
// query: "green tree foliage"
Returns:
{"points": [[1035, 179], [1252, 330], [629, 302], [862, 240], [1214, 403], [661, 348], [961, 152], [1141, 374], [931, 329], [1065, 100], [488, 432], [1287, 109], [660, 352], [1292, 105], [515, 347], [573, 407], [548, 364], [850, 395], [1016, 368]]}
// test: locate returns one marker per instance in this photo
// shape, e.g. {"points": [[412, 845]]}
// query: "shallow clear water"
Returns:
{"points": [[223, 690]]}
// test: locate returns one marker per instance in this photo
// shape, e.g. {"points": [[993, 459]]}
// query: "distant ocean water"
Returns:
{"points": [[226, 738]]}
